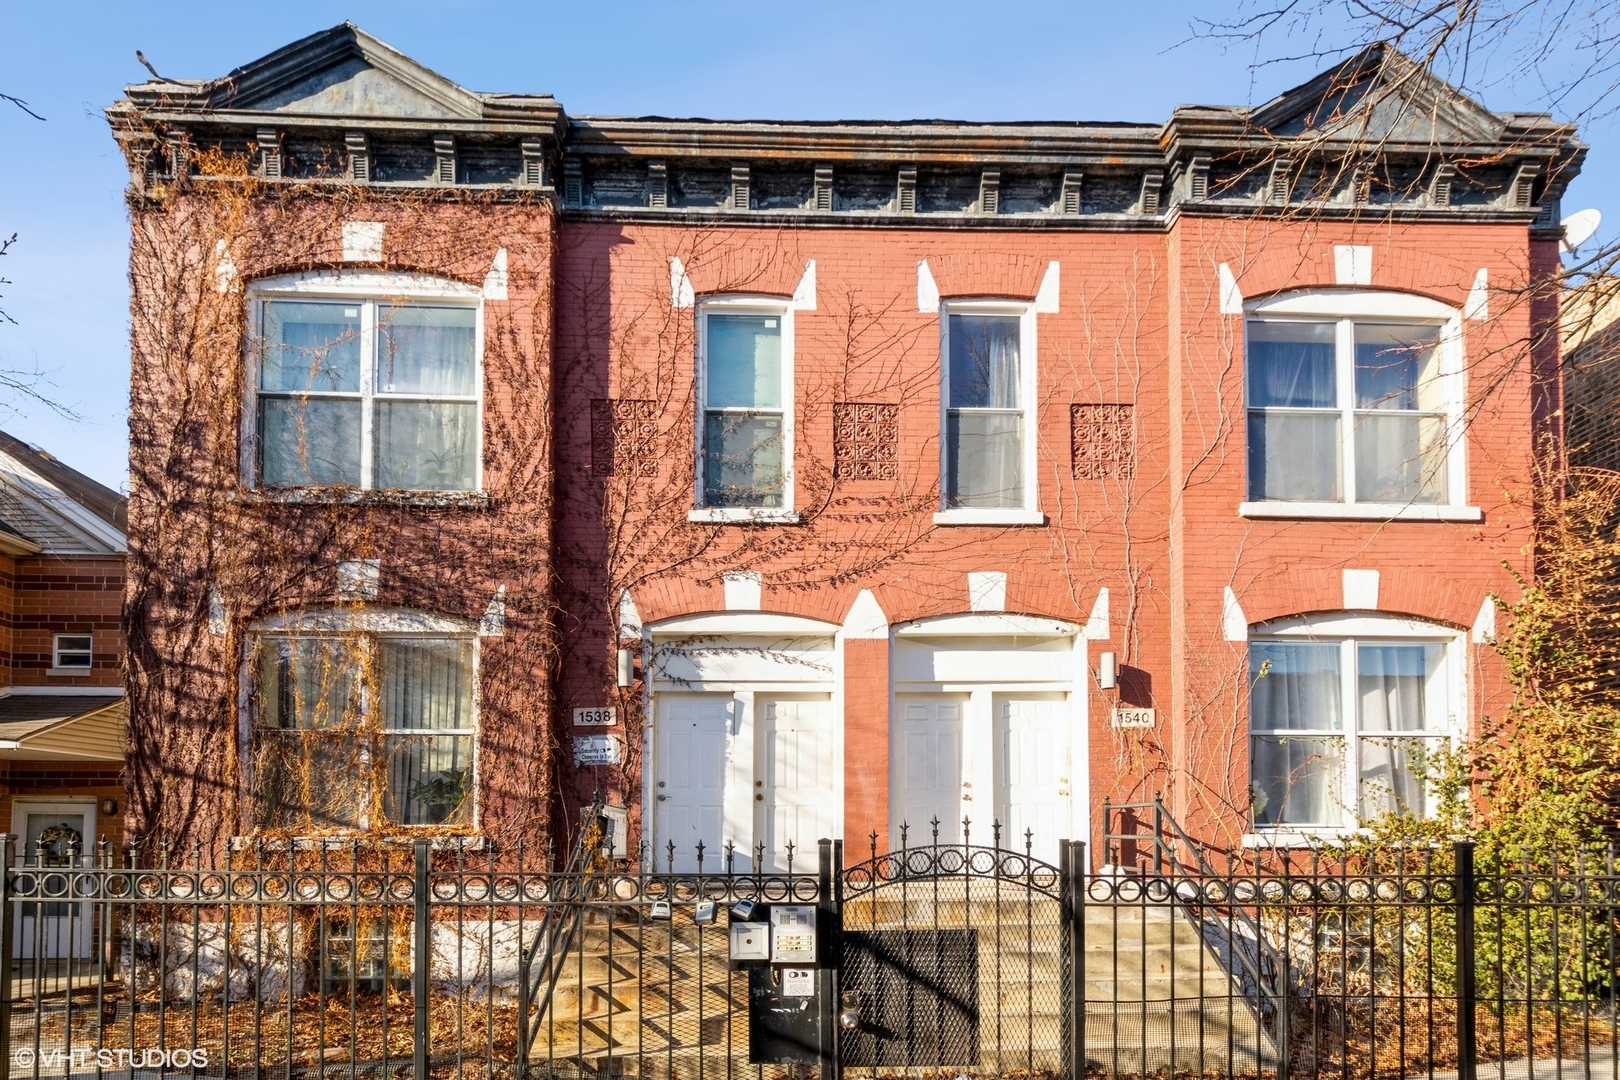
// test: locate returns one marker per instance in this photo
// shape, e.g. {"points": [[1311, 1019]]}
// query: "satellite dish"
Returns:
{"points": [[1578, 229]]}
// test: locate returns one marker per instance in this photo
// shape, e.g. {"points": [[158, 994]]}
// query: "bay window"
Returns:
{"points": [[987, 446], [355, 390], [1354, 401], [1345, 715], [745, 394], [363, 730]]}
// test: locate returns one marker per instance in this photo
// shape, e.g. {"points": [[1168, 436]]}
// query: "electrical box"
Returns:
{"points": [[750, 941], [793, 934]]}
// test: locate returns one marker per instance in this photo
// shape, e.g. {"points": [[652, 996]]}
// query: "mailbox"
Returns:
{"points": [[793, 934], [750, 941]]}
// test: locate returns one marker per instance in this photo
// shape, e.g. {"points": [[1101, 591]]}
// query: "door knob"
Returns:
{"points": [[662, 783], [759, 798], [661, 798]]}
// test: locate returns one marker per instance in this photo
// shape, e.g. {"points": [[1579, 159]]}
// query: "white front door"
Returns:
{"points": [[926, 779], [689, 785], [795, 793], [1032, 772], [54, 835]]}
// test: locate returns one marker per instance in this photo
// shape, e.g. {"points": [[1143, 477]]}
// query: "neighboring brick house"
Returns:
{"points": [[62, 716], [778, 480]]}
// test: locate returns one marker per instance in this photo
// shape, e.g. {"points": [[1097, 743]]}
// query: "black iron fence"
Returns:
{"points": [[1149, 956]]}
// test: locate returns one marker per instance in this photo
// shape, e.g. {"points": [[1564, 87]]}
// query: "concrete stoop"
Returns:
{"points": [[656, 999]]}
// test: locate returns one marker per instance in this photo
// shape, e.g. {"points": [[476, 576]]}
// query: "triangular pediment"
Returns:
{"points": [[343, 71], [1377, 97]]}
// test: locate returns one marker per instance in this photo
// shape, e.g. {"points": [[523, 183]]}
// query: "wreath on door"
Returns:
{"points": [[59, 841]]}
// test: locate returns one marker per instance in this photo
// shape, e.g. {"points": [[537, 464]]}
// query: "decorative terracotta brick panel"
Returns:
{"points": [[1101, 441], [622, 434], [866, 439]]}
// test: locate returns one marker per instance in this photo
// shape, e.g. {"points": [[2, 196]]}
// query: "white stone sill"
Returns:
{"points": [[742, 515], [989, 517], [1359, 511], [70, 672], [422, 500]]}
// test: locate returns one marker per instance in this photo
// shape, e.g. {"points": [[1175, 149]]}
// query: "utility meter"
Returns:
{"points": [[750, 941], [793, 934]]}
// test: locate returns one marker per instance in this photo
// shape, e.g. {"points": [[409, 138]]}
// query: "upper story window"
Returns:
{"points": [[69, 651], [363, 727], [987, 459], [366, 380], [745, 390], [1344, 713], [1354, 400]]}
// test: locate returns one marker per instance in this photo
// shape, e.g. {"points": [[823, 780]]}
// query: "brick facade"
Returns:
{"points": [[595, 268]]}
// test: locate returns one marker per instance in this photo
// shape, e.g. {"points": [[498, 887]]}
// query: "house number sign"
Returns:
{"points": [[1132, 718], [600, 716], [597, 750]]}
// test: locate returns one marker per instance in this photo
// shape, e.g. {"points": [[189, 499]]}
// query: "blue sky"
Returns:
{"points": [[62, 185]]}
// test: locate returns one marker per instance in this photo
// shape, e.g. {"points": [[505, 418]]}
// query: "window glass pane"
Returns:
{"points": [[427, 350], [309, 441], [984, 459], [311, 346], [742, 460], [1398, 367], [429, 778], [744, 364], [426, 683], [1294, 456], [984, 361], [1296, 781], [1294, 687], [1392, 772], [1394, 687], [1400, 459], [426, 445], [1291, 365], [308, 781], [308, 683]]}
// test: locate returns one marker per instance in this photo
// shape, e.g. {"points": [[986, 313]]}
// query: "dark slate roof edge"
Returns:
{"points": [[100, 500]]}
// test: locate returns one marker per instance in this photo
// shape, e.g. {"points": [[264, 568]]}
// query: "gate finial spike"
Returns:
{"points": [[936, 830], [873, 836], [789, 856], [669, 859], [967, 830], [700, 856], [731, 857], [995, 833], [905, 827], [1029, 843]]}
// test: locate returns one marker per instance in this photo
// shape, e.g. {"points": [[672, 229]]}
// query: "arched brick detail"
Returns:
{"points": [[734, 268], [989, 273]]}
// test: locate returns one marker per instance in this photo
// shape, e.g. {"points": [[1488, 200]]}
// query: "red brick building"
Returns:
{"points": [[61, 664], [779, 480]]}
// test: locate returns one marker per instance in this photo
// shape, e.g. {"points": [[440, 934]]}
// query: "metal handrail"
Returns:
{"points": [[540, 964], [1167, 841]]}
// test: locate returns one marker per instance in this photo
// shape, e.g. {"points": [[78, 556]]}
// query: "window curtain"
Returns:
{"points": [[1392, 682], [427, 687], [426, 445], [1295, 778], [984, 419], [1291, 365]]}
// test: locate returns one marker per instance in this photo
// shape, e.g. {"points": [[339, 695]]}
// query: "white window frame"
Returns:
{"points": [[365, 625], [1345, 307], [57, 650], [367, 289], [1029, 513], [1349, 631], [744, 305]]}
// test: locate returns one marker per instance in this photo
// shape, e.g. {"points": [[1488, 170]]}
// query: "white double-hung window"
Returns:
{"points": [[745, 422], [363, 726], [987, 448], [1345, 716], [1354, 406], [365, 380]]}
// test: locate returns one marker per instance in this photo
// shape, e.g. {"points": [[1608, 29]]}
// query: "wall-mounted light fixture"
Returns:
{"points": [[109, 807], [1107, 672], [627, 668]]}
